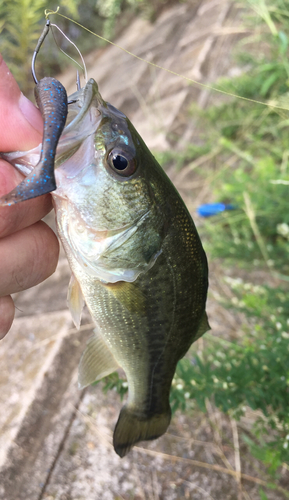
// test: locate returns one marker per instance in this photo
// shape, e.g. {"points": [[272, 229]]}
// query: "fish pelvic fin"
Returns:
{"points": [[132, 428], [96, 361]]}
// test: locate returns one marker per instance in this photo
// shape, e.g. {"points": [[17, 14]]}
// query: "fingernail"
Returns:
{"points": [[31, 113]]}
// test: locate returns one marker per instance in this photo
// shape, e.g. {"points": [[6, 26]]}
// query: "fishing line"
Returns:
{"points": [[61, 50], [269, 104], [83, 67]]}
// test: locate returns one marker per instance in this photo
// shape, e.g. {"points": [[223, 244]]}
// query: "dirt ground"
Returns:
{"points": [[55, 441]]}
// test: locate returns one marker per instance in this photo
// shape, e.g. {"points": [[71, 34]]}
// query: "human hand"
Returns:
{"points": [[28, 247]]}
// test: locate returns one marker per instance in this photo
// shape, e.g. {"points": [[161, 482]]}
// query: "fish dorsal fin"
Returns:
{"points": [[203, 327], [96, 361], [75, 300]]}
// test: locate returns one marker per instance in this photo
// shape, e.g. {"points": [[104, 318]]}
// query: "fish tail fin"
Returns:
{"points": [[132, 428]]}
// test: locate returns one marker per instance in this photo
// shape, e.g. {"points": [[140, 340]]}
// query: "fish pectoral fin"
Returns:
{"points": [[96, 361], [131, 428], [203, 327], [129, 295], [75, 301]]}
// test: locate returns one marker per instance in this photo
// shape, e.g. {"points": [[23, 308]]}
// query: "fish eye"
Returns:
{"points": [[119, 162], [122, 162]]}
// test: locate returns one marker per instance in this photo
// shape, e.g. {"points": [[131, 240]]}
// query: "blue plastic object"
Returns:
{"points": [[209, 209]]}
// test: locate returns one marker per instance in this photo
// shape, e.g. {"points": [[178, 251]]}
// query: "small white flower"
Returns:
{"points": [[283, 229], [258, 289], [179, 387], [285, 335], [187, 395], [278, 325]]}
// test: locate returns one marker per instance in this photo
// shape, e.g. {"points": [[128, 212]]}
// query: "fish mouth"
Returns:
{"points": [[83, 120], [82, 114]]}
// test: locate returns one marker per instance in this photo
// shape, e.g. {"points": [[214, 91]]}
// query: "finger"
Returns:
{"points": [[21, 215], [27, 258], [23, 123], [7, 311]]}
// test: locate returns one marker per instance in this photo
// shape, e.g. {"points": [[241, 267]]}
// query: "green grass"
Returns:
{"points": [[251, 172]]}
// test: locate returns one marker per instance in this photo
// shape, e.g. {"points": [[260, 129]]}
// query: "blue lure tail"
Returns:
{"points": [[51, 98]]}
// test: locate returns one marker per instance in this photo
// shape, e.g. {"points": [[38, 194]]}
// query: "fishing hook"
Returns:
{"points": [[39, 43], [37, 48]]}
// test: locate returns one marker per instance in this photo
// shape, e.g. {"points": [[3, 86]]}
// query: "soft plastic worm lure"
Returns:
{"points": [[51, 99]]}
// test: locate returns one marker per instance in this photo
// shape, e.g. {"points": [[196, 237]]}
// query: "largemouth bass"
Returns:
{"points": [[135, 256]]}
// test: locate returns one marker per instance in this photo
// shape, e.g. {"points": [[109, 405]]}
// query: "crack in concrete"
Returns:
{"points": [[61, 445]]}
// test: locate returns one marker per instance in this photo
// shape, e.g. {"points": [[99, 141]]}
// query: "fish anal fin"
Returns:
{"points": [[131, 428], [96, 361], [203, 326], [129, 295], [75, 300]]}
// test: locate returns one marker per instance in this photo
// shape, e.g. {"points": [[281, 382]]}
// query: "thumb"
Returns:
{"points": [[20, 121]]}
